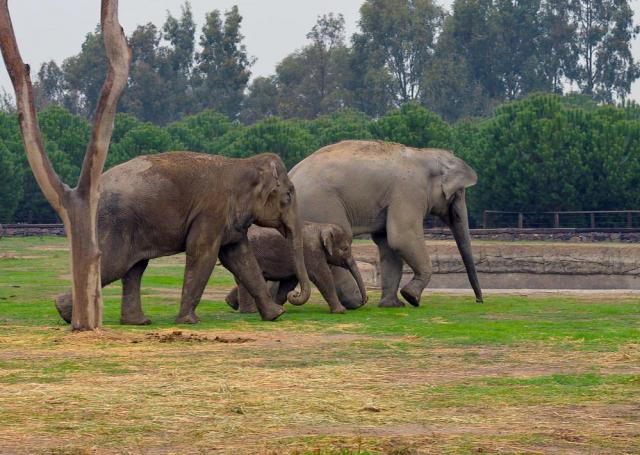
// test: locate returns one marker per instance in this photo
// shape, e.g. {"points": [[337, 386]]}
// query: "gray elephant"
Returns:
{"points": [[164, 204], [387, 190], [324, 245]]}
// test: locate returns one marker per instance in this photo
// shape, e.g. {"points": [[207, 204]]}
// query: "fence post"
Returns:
{"points": [[593, 220], [520, 220], [556, 220], [485, 220], [629, 220]]}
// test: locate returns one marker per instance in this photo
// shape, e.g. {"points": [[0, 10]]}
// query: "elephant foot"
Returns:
{"points": [[64, 305], [232, 299], [271, 312], [189, 318], [412, 292], [338, 309], [138, 320], [352, 302], [391, 301], [248, 309]]}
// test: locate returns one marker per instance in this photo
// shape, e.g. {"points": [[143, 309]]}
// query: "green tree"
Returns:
{"points": [[463, 79], [542, 153], [11, 167], [84, 75], [262, 100], [11, 174], [122, 125], [61, 130], [449, 87], [178, 61], [404, 32], [148, 92], [202, 132], [517, 33], [310, 81], [223, 65], [49, 85], [287, 138], [143, 139], [604, 30], [69, 132], [528, 157], [345, 124], [557, 61], [180, 33], [414, 126], [160, 80], [369, 84]]}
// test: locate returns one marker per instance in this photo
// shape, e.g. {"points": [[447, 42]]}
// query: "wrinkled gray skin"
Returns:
{"points": [[164, 204], [324, 245], [387, 190]]}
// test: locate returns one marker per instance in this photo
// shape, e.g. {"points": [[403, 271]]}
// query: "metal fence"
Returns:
{"points": [[594, 219]]}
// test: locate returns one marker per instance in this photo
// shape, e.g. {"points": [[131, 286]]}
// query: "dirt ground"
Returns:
{"points": [[521, 374], [182, 391]]}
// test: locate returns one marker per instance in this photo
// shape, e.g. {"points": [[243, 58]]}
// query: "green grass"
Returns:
{"points": [[27, 287], [370, 381]]}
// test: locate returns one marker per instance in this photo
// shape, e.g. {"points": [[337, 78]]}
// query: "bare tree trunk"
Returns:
{"points": [[78, 207], [85, 265]]}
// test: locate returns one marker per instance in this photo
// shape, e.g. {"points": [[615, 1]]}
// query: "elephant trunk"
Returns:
{"points": [[293, 230], [355, 272], [459, 224]]}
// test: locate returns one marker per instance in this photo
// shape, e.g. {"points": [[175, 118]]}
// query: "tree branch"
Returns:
{"points": [[119, 57], [51, 185]]}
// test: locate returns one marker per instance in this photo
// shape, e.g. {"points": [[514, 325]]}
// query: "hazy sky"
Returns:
{"points": [[55, 29]]}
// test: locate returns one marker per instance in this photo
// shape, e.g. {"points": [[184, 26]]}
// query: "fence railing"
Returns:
{"points": [[591, 219], [31, 226], [605, 220]]}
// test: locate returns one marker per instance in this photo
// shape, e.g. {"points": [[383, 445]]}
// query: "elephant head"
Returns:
{"points": [[451, 207], [337, 247], [276, 207]]}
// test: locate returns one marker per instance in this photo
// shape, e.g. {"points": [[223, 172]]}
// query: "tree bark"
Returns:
{"points": [[78, 207]]}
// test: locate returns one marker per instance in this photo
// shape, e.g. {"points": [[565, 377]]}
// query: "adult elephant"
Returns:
{"points": [[169, 203], [387, 190]]}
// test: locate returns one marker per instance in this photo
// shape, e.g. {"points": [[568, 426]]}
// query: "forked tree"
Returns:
{"points": [[77, 207]]}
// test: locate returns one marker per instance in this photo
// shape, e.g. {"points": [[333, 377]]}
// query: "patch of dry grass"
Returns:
{"points": [[517, 375], [283, 392]]}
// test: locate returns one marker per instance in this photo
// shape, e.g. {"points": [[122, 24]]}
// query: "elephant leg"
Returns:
{"points": [[109, 273], [202, 255], [346, 288], [246, 303], [131, 310], [282, 289], [232, 298], [239, 260], [323, 279], [390, 272], [405, 235]]}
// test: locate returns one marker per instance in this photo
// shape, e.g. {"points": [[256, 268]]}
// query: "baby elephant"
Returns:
{"points": [[324, 245]]}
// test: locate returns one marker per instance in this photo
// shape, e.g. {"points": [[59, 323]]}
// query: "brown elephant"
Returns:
{"points": [[164, 204], [325, 245]]}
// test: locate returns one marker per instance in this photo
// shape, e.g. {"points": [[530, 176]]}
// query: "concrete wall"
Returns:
{"points": [[534, 265]]}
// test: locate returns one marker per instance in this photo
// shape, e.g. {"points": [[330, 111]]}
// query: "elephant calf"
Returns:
{"points": [[323, 245]]}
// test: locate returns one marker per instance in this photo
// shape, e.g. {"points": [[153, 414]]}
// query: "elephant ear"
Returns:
{"points": [[456, 175], [326, 234], [269, 178]]}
